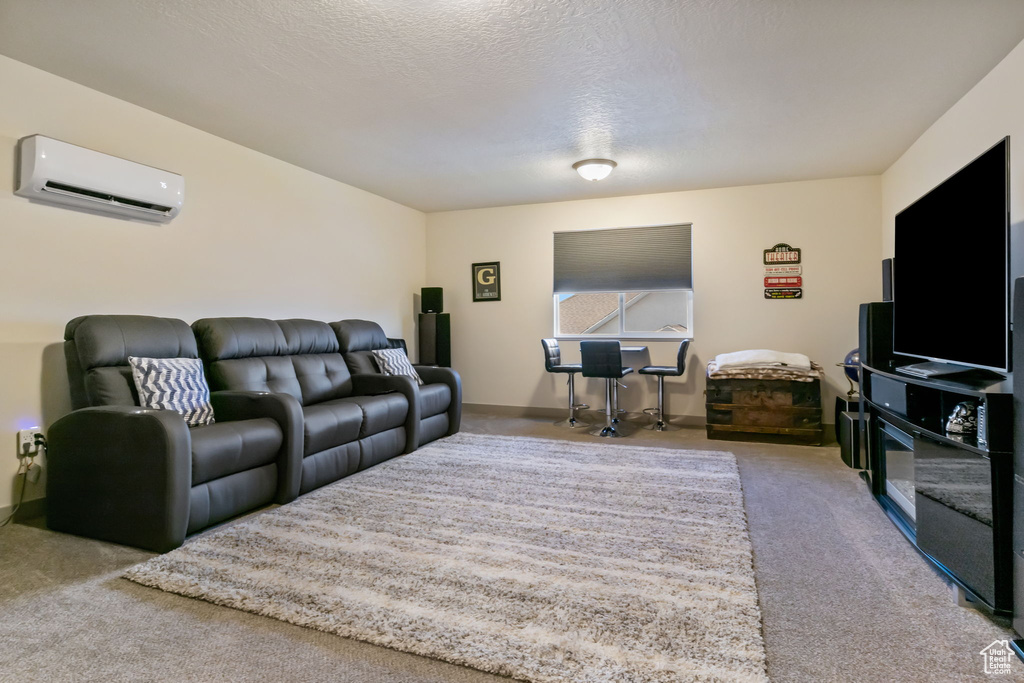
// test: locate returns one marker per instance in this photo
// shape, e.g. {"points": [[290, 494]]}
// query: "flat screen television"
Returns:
{"points": [[951, 275]]}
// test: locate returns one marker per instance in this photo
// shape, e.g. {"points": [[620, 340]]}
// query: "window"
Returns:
{"points": [[624, 282], [624, 314]]}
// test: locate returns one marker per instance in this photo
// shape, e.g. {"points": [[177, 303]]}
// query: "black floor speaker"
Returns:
{"points": [[1018, 456], [876, 335], [845, 404], [848, 435], [436, 339], [1017, 358]]}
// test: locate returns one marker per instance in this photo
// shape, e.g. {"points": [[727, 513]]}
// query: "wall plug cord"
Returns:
{"points": [[27, 470], [23, 473]]}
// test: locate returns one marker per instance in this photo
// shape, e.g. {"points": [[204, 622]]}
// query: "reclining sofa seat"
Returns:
{"points": [[143, 477], [440, 396], [347, 422]]}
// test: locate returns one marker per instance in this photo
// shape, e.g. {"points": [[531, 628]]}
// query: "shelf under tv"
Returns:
{"points": [[932, 369]]}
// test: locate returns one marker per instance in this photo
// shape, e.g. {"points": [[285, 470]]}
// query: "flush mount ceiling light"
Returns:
{"points": [[594, 169]]}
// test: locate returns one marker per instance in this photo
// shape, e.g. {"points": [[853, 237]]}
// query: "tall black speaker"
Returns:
{"points": [[436, 339], [876, 335], [848, 435], [1018, 457], [887, 266], [431, 300]]}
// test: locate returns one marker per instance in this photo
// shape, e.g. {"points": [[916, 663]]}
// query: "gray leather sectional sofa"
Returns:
{"points": [[293, 413]]}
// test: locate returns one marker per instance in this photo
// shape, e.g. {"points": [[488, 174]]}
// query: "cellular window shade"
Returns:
{"points": [[624, 259]]}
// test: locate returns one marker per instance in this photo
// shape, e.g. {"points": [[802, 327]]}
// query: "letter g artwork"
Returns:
{"points": [[487, 281]]}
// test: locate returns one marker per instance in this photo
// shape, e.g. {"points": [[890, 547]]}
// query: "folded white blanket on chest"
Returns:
{"points": [[762, 358]]}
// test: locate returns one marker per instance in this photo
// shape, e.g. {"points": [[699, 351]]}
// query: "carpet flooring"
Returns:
{"points": [[538, 559], [843, 596]]}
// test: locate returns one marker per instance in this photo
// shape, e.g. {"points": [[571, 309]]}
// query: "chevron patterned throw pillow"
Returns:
{"points": [[395, 362], [174, 384]]}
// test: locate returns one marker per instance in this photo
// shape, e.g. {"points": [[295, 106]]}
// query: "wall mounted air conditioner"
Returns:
{"points": [[56, 172]]}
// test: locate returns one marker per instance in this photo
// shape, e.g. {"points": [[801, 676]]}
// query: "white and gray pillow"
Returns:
{"points": [[176, 384], [395, 362]]}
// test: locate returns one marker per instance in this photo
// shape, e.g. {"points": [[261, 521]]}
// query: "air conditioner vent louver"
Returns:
{"points": [[56, 172], [91, 195]]}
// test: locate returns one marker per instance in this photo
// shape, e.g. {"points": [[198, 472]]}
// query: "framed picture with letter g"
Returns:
{"points": [[487, 281]]}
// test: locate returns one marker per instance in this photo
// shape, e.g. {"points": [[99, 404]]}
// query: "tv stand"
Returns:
{"points": [[950, 494]]}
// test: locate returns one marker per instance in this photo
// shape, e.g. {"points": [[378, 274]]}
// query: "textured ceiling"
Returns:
{"points": [[450, 104]]}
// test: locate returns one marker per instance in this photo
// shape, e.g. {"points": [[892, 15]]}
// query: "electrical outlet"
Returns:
{"points": [[27, 441]]}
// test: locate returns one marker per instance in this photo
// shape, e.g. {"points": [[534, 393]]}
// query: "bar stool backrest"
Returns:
{"points": [[601, 358], [552, 355], [681, 355]]}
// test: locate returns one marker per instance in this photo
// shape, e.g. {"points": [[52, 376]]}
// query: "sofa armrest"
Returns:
{"points": [[364, 384], [121, 474], [231, 406], [432, 374]]}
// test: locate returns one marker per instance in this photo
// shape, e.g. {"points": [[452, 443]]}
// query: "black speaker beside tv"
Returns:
{"points": [[887, 266], [876, 335], [431, 300]]}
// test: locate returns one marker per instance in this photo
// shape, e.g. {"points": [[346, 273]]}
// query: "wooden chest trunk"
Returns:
{"points": [[779, 411]]}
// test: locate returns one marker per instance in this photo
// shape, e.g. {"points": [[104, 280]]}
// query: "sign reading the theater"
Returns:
{"points": [[782, 276], [487, 281], [781, 254]]}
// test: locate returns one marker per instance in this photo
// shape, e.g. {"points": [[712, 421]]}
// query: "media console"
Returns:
{"points": [[950, 494]]}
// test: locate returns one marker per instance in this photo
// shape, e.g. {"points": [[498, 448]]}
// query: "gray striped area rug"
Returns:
{"points": [[538, 559]]}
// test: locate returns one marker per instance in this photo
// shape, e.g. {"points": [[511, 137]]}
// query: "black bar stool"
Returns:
{"points": [[604, 359], [663, 371], [553, 363]]}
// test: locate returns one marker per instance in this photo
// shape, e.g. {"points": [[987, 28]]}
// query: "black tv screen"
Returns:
{"points": [[951, 279]]}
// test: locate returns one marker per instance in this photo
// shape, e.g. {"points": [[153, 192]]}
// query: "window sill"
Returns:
{"points": [[624, 338]]}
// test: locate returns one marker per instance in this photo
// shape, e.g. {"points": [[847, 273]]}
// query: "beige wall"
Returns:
{"points": [[256, 237], [991, 110], [496, 345]]}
